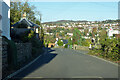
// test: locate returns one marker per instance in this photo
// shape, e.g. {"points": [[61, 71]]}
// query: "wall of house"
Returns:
{"points": [[1, 15], [20, 30], [111, 32], [0, 40], [0, 58], [5, 22]]}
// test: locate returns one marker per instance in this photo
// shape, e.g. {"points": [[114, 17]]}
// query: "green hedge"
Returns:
{"points": [[110, 49], [12, 53], [66, 46]]}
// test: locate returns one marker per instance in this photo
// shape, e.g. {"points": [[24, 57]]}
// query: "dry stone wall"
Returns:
{"points": [[24, 51]]}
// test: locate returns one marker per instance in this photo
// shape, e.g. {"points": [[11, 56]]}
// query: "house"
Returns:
{"points": [[65, 42], [50, 45], [70, 34], [25, 25], [111, 32], [4, 19]]}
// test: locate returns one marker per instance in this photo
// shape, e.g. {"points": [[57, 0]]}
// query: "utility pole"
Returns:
{"points": [[41, 33]]}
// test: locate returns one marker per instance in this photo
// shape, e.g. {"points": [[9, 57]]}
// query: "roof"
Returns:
{"points": [[29, 23], [65, 41]]}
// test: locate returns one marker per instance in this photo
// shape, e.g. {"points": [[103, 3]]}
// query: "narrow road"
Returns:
{"points": [[65, 63]]}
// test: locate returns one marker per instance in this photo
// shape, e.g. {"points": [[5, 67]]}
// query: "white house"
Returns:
{"points": [[4, 20], [111, 32], [70, 34]]}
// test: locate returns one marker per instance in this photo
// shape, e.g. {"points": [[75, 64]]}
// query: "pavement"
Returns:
{"points": [[66, 63]]}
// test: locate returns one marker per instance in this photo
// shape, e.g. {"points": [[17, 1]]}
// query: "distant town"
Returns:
{"points": [[89, 29]]}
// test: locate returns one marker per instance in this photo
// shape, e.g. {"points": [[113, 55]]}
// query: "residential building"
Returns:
{"points": [[111, 32], [70, 34], [4, 19], [25, 25]]}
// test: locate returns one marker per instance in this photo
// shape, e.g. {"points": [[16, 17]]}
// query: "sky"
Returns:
{"points": [[91, 11]]}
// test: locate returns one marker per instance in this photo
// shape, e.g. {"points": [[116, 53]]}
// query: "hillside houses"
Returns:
{"points": [[88, 29]]}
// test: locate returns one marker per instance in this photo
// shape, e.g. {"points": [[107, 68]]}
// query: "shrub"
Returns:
{"points": [[109, 49], [66, 46], [12, 53], [60, 43]]}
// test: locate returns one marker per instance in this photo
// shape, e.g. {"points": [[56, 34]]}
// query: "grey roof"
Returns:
{"points": [[29, 23], [65, 41]]}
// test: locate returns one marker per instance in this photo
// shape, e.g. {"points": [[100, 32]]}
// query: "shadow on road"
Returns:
{"points": [[50, 50], [44, 59]]}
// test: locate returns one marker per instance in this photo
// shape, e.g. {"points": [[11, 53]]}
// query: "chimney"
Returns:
{"points": [[24, 15]]}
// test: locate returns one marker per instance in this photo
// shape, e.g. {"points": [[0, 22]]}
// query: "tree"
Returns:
{"points": [[69, 41], [85, 32], [77, 37], [18, 8], [90, 34], [110, 48], [103, 34]]}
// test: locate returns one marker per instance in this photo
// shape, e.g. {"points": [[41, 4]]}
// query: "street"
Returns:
{"points": [[66, 63]]}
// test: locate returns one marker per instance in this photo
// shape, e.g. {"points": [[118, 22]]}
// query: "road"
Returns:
{"points": [[65, 63]]}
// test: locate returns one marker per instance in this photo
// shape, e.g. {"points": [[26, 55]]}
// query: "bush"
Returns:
{"points": [[60, 43], [66, 46], [109, 49], [34, 51]]}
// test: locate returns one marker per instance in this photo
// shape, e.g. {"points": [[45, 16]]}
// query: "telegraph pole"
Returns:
{"points": [[41, 30]]}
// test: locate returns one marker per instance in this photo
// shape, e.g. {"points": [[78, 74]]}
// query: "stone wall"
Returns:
{"points": [[24, 51], [77, 47]]}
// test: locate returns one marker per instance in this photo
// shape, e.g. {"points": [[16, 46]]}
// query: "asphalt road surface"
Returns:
{"points": [[65, 63]]}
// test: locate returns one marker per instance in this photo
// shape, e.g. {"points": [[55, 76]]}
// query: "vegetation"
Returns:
{"points": [[77, 37], [36, 43], [49, 39], [60, 43], [66, 46], [18, 8], [12, 53], [109, 49]]}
